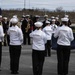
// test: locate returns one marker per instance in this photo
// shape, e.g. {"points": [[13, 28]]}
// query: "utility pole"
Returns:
{"points": [[0, 8], [29, 4], [0, 3], [24, 4]]}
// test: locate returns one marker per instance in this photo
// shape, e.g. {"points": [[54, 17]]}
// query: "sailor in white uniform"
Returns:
{"points": [[16, 39], [38, 48], [65, 36], [48, 31], [1, 39], [53, 25]]}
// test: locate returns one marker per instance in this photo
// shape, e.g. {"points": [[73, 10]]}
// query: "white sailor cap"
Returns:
{"points": [[52, 17], [14, 20], [0, 16], [14, 16], [53, 20], [23, 16], [66, 16], [37, 16], [45, 15], [57, 18], [64, 19], [27, 15], [5, 18], [47, 22], [38, 24]]}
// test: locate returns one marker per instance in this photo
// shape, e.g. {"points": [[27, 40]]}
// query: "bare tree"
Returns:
{"points": [[59, 9]]}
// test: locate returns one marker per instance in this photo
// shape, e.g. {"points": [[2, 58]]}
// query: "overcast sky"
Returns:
{"points": [[47, 4]]}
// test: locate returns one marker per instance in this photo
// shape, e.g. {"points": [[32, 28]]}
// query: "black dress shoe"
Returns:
{"points": [[29, 44], [14, 72]]}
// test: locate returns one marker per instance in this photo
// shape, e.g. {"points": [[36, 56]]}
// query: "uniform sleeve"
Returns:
{"points": [[71, 37], [56, 33], [1, 32], [43, 29], [45, 38], [31, 34], [21, 35]]}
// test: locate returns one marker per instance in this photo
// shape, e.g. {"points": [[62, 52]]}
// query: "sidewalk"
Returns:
{"points": [[50, 64]]}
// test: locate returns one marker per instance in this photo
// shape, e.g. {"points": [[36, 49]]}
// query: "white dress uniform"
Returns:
{"points": [[16, 39], [65, 36], [54, 27], [39, 40], [16, 36], [1, 33], [1, 39], [38, 47], [48, 31]]}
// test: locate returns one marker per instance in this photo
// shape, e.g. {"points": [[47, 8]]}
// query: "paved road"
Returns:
{"points": [[50, 65]]}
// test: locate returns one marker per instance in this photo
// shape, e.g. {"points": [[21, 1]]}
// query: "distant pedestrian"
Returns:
{"points": [[35, 19], [69, 21], [38, 49], [45, 19], [26, 29], [65, 36], [16, 39], [5, 24], [48, 31], [57, 22]]}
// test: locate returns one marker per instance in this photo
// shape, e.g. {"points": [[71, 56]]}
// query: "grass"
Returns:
{"points": [[42, 12]]}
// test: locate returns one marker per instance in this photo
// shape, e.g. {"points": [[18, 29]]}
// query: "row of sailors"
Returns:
{"points": [[40, 38], [27, 25], [54, 23]]}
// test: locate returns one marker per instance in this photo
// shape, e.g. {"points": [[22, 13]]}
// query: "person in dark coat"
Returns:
{"points": [[45, 19], [5, 24], [69, 21], [35, 19], [26, 28], [57, 21]]}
